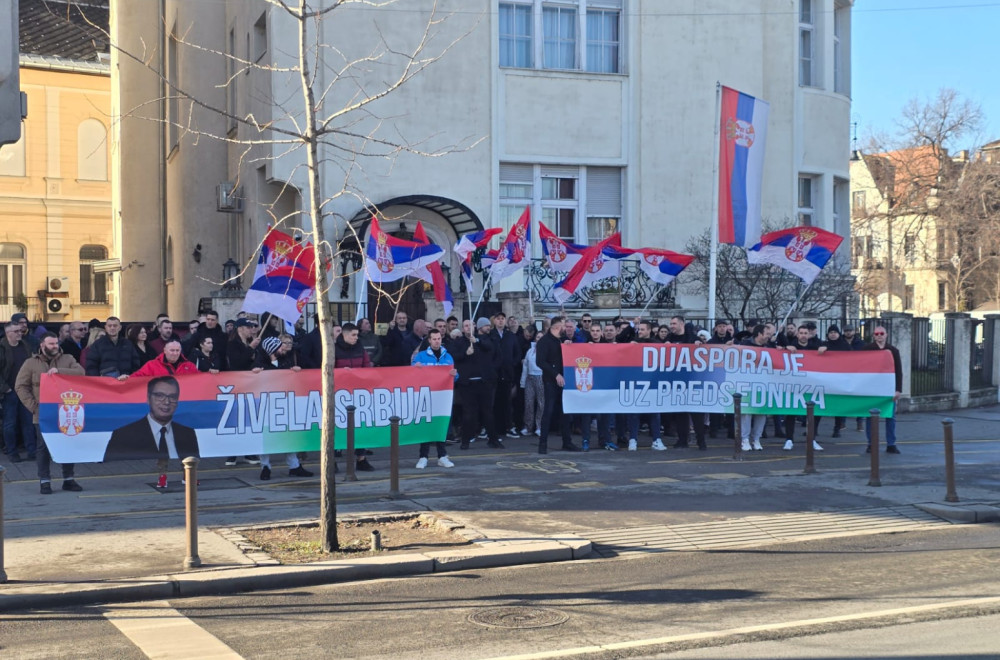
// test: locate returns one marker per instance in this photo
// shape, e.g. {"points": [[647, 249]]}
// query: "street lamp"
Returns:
{"points": [[231, 276]]}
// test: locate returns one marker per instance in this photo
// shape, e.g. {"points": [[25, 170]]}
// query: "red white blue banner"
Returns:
{"points": [[637, 378], [803, 251], [742, 136]]}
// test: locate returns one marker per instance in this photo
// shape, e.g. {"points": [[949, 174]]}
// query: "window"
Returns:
{"points": [[840, 52], [559, 37], [909, 300], [602, 41], [575, 35], [604, 202], [840, 190], [806, 31], [93, 286], [942, 295], [12, 268], [806, 201], [858, 204], [91, 151], [515, 35], [12, 161], [559, 204], [173, 100], [516, 192], [910, 248], [231, 78], [260, 38]]}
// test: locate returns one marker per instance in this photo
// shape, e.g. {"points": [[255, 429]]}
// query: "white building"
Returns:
{"points": [[597, 113]]}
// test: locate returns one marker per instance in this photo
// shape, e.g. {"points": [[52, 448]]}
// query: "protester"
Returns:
{"points": [[880, 343], [350, 354], [370, 342], [548, 354], [474, 358], [276, 352], [531, 383], [171, 362], [204, 357], [240, 357], [165, 333], [17, 424], [394, 343], [75, 340], [803, 342], [137, 334], [752, 426], [112, 355], [435, 355], [837, 343], [507, 360]]}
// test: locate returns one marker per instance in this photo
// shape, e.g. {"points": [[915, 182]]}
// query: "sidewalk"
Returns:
{"points": [[121, 539]]}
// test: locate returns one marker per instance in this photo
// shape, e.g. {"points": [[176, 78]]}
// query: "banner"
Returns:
{"points": [[236, 413], [637, 378]]}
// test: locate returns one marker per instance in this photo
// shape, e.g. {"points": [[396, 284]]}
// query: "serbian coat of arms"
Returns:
{"points": [[71, 413]]}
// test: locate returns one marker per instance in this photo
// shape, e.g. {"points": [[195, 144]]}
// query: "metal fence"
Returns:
{"points": [[927, 368], [977, 353]]}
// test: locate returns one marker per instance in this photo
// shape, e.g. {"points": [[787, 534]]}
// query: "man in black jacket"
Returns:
{"points": [[548, 356], [474, 356], [880, 343], [508, 363], [243, 347], [112, 355], [394, 343]]}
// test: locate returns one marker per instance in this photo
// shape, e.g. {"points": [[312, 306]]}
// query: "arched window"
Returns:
{"points": [[93, 286], [11, 272], [92, 151]]}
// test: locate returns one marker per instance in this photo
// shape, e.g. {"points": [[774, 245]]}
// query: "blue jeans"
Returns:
{"points": [[15, 415], [890, 431], [633, 425], [603, 427]]}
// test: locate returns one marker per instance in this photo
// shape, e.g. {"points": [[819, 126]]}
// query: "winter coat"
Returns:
{"points": [[159, 366], [107, 358], [29, 377], [347, 355]]}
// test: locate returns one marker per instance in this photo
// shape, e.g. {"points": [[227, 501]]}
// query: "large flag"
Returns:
{"points": [[800, 250], [284, 279], [433, 274], [513, 254], [561, 255], [742, 135], [469, 244], [662, 266], [389, 258], [599, 262]]}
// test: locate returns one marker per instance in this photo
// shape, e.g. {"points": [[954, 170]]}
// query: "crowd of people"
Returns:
{"points": [[508, 376]]}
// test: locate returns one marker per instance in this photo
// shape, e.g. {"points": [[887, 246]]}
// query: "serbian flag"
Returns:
{"points": [[472, 242], [662, 266], [800, 250], [599, 262], [513, 254], [561, 255], [742, 134], [284, 279], [390, 258], [433, 274]]}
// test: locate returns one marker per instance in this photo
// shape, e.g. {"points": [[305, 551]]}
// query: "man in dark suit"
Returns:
{"points": [[156, 435]]}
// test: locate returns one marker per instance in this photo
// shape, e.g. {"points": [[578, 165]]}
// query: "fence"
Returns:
{"points": [[928, 361], [977, 353]]}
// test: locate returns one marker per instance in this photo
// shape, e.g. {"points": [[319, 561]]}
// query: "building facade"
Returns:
{"points": [[55, 183], [598, 114]]}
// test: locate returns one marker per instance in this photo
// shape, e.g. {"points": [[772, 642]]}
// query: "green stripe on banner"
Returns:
{"points": [[836, 405], [365, 437]]}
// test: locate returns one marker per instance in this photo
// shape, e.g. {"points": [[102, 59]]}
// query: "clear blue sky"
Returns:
{"points": [[903, 49]]}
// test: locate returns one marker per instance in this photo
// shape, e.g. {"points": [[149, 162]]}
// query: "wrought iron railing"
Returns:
{"points": [[635, 287]]}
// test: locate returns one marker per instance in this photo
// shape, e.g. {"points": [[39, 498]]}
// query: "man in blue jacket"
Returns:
{"points": [[435, 355]]}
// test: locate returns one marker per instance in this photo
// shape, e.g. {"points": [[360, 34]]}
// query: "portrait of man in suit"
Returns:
{"points": [[156, 435]]}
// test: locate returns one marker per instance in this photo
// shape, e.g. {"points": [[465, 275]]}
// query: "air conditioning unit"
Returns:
{"points": [[56, 306], [57, 284], [228, 198]]}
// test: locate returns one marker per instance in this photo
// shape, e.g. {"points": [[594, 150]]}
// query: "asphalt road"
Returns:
{"points": [[893, 590]]}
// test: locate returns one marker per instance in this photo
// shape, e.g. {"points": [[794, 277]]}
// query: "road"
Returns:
{"points": [[908, 595]]}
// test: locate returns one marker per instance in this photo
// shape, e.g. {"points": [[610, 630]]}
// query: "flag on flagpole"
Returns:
{"points": [[389, 258], [513, 254], [598, 262], [662, 266], [433, 274], [561, 255], [742, 137], [468, 244], [803, 251], [284, 279]]}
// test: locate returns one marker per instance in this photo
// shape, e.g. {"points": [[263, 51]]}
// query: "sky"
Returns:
{"points": [[902, 49]]}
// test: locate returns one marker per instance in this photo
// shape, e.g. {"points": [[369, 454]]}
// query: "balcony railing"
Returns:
{"points": [[636, 288]]}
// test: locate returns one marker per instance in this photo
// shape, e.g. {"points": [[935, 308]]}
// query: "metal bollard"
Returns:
{"points": [[810, 437], [349, 474], [874, 480], [191, 511], [3, 573], [376, 540], [949, 464], [394, 457], [738, 427]]}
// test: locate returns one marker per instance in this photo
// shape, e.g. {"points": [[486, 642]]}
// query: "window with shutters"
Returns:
{"points": [[516, 192], [93, 286], [604, 202]]}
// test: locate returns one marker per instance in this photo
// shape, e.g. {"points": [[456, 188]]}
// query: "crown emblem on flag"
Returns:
{"points": [[383, 256], [740, 132], [807, 235], [584, 374], [798, 249], [71, 413], [71, 398]]}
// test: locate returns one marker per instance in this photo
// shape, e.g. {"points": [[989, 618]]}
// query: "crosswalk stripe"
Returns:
{"points": [[163, 633]]}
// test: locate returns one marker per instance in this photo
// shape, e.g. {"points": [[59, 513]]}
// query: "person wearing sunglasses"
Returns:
{"points": [[880, 343]]}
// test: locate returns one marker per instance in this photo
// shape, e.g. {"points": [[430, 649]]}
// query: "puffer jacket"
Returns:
{"points": [[105, 357], [346, 355], [159, 366], [29, 378]]}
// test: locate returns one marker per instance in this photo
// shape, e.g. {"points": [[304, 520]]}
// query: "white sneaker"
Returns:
{"points": [[444, 461], [422, 463], [525, 431], [745, 446], [816, 446], [633, 445], [788, 445], [538, 431], [756, 446], [658, 445]]}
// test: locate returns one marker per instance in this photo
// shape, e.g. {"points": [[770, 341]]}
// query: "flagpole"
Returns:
{"points": [[713, 254], [486, 285], [794, 304], [649, 302]]}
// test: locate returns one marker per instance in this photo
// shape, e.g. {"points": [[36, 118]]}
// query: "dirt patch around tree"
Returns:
{"points": [[300, 543]]}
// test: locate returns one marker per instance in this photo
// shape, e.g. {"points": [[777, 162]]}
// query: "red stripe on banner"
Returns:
{"points": [[727, 150], [604, 355], [200, 387]]}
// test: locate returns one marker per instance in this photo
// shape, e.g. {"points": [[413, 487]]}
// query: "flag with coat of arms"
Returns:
{"points": [[468, 244], [433, 275], [561, 255], [803, 251], [388, 258], [599, 262], [284, 279], [513, 253], [662, 266]]}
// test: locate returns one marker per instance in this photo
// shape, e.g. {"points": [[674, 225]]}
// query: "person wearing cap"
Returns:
{"points": [[348, 353], [852, 338], [837, 343], [474, 355], [240, 357], [277, 352]]}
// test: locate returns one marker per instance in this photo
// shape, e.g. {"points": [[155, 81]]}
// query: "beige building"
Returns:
{"points": [[597, 114], [55, 184]]}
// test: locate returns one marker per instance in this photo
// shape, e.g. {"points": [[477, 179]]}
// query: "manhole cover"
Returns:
{"points": [[518, 617]]}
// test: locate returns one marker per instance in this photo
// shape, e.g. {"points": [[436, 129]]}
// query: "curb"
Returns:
{"points": [[973, 512], [238, 580]]}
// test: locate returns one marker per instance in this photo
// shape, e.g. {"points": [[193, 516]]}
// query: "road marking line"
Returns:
{"points": [[506, 489], [161, 632], [656, 480], [725, 475], [584, 484], [768, 627]]}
